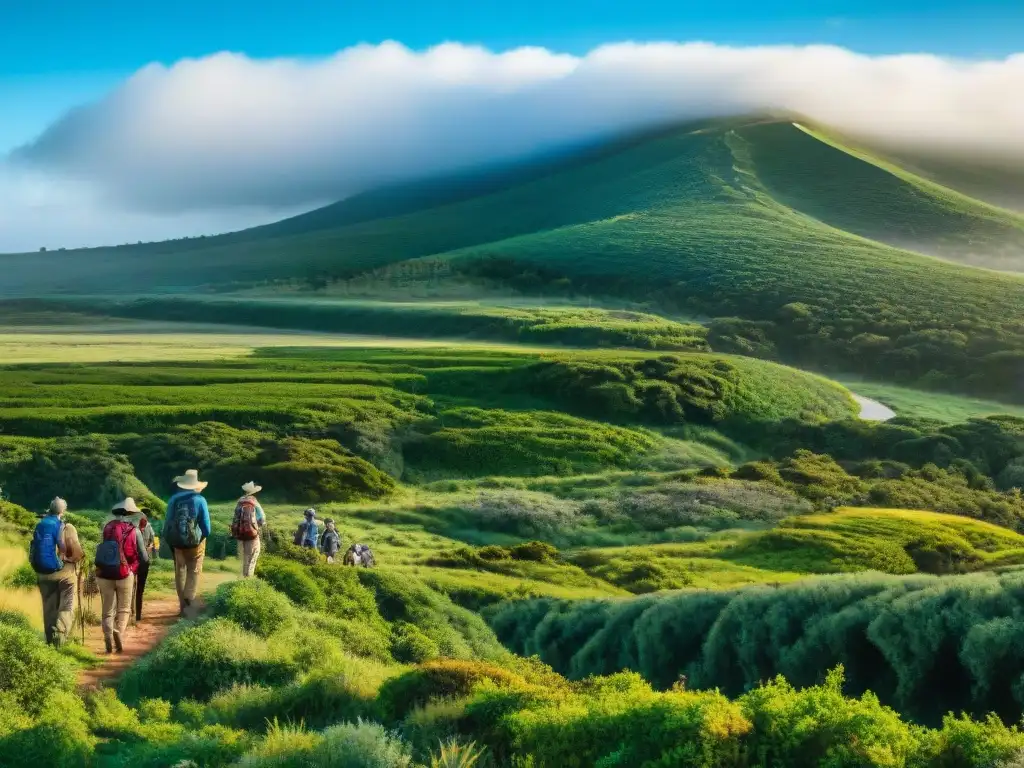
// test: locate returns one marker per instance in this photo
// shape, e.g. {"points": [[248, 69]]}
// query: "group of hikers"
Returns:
{"points": [[129, 544]]}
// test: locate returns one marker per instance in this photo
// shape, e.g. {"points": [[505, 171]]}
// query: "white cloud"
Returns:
{"points": [[214, 134]]}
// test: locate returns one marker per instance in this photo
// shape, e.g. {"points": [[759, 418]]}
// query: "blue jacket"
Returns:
{"points": [[311, 535], [202, 518]]}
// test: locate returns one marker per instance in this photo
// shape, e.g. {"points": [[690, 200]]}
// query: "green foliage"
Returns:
{"points": [[440, 679], [473, 441], [349, 745], [339, 692], [17, 515], [923, 645], [457, 632], [29, 670], [22, 577], [254, 605], [293, 580], [198, 660], [455, 754]]}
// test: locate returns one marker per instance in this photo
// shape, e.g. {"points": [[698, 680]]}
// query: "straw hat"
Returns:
{"points": [[190, 481], [250, 488], [128, 506]]}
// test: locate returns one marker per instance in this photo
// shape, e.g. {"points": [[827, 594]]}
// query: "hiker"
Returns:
{"points": [[308, 531], [117, 561], [330, 542], [54, 554], [149, 544], [186, 529], [360, 554], [246, 526]]}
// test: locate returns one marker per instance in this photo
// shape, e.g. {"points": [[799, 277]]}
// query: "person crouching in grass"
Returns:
{"points": [[54, 555]]}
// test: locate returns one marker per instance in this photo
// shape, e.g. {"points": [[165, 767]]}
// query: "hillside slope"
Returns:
{"points": [[762, 221]]}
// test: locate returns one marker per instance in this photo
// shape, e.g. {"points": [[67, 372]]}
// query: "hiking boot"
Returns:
{"points": [[106, 642], [117, 642]]}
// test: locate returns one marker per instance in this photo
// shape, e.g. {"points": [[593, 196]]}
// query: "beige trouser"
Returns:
{"points": [[58, 607], [188, 567], [115, 604], [249, 551]]}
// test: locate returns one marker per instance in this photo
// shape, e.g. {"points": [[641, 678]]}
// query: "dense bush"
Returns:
{"points": [[441, 679], [254, 605], [17, 515], [349, 745], [29, 670], [293, 580], [331, 694], [199, 660], [87, 471], [924, 645], [457, 632]]}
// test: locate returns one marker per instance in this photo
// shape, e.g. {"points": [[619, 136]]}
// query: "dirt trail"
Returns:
{"points": [[158, 616]]}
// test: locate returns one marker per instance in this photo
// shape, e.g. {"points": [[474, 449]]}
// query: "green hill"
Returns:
{"points": [[783, 228]]}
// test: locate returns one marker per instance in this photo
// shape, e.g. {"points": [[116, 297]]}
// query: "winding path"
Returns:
{"points": [[157, 619]]}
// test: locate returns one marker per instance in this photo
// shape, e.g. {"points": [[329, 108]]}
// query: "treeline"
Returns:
{"points": [[924, 645]]}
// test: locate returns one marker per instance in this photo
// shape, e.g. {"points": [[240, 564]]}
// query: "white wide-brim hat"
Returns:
{"points": [[251, 488], [128, 505], [190, 481]]}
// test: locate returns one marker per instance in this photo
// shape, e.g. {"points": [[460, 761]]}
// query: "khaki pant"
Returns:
{"points": [[115, 604], [188, 567], [58, 608], [249, 551]]}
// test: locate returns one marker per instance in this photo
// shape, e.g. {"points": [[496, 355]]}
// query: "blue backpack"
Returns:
{"points": [[182, 527], [42, 553]]}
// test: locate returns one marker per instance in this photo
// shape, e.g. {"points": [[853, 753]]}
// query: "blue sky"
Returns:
{"points": [[55, 54]]}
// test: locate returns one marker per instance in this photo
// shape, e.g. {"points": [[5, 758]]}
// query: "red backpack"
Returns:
{"points": [[243, 526], [123, 533]]}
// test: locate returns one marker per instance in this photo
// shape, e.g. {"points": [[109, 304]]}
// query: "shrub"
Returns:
{"points": [[349, 745], [458, 633], [294, 581], [359, 638], [201, 659], [22, 577], [788, 726], [253, 605], [30, 670], [410, 645], [59, 736], [154, 711], [455, 754], [17, 515], [440, 679], [341, 691], [533, 551], [16, 619], [523, 513]]}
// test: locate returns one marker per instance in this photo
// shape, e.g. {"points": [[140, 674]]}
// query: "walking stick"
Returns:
{"points": [[81, 604], [135, 586]]}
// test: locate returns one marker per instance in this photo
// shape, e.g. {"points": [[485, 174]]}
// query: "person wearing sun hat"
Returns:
{"points": [[246, 526], [57, 570], [117, 562], [186, 529]]}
